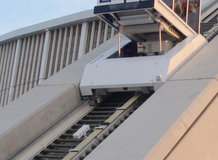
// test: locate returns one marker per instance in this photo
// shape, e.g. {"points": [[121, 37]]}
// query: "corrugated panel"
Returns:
{"points": [[7, 54], [63, 48], [27, 72]]}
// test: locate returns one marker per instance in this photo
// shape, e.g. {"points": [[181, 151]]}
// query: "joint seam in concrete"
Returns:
{"points": [[193, 123], [190, 79]]}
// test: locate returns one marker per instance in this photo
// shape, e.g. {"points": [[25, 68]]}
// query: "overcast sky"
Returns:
{"points": [[15, 14]]}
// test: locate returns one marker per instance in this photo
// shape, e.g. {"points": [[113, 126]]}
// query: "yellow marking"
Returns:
{"points": [[85, 142], [114, 116], [88, 139], [70, 155], [130, 102], [122, 109]]}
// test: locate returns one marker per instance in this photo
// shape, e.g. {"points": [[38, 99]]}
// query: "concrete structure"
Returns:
{"points": [[164, 126], [35, 53], [34, 112], [44, 63]]}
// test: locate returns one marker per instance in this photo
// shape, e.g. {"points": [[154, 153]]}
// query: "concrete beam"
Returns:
{"points": [[83, 40], [15, 70], [45, 56]]}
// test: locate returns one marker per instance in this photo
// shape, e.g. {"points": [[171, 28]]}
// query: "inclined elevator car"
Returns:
{"points": [[157, 32]]}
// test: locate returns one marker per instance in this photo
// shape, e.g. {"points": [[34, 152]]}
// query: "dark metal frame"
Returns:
{"points": [[103, 1], [123, 7]]}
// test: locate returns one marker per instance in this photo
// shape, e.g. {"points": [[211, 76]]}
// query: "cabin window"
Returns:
{"points": [[169, 3], [102, 1], [188, 10], [193, 14]]}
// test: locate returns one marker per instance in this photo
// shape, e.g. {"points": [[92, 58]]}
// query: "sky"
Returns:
{"points": [[15, 14]]}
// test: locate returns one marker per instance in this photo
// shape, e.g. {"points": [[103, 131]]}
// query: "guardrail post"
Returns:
{"points": [[83, 40], [14, 71], [45, 56]]}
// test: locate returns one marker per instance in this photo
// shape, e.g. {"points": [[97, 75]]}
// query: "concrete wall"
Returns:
{"points": [[200, 142], [184, 123], [202, 69], [32, 54]]}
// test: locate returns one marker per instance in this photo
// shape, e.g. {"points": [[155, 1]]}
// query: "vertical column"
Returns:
{"points": [[12, 68], [39, 59], [2, 60], [99, 33], [83, 40], [52, 59], [1, 55], [9, 70], [63, 49], [112, 32], [34, 65], [69, 46], [15, 71], [45, 56], [199, 18], [25, 66], [160, 39], [5, 73], [105, 32], [2, 63], [58, 50], [75, 43], [119, 49], [187, 10], [29, 65], [92, 36], [173, 5], [19, 74]]}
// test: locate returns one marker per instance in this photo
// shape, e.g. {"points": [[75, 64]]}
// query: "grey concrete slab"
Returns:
{"points": [[203, 65], [23, 121], [31, 114], [23, 107]]}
